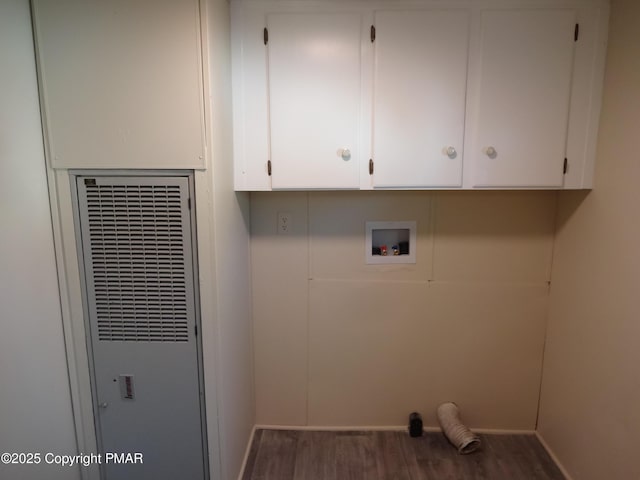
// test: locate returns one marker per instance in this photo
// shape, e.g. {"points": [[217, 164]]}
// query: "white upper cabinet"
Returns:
{"points": [[314, 77], [417, 94], [122, 83], [523, 91], [419, 97]]}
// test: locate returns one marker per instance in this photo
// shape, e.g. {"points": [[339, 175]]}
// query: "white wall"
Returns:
{"points": [[338, 342], [236, 413], [591, 389], [35, 404]]}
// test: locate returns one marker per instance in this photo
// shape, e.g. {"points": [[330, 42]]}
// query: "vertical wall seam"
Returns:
{"points": [[548, 312], [433, 212], [308, 339]]}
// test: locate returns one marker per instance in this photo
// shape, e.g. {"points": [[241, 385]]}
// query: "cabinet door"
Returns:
{"points": [[122, 82], [419, 97], [520, 126], [314, 99]]}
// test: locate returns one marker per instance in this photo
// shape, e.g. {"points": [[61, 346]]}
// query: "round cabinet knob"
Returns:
{"points": [[346, 154], [491, 152], [103, 405], [451, 152]]}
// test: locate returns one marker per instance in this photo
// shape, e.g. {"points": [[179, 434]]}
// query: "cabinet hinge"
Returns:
{"points": [[565, 165], [373, 34], [265, 35], [370, 166], [269, 167], [576, 32]]}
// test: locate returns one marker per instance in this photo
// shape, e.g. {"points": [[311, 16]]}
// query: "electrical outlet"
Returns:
{"points": [[284, 223]]}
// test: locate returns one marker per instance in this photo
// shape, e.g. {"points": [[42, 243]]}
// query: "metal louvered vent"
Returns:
{"points": [[135, 237]]}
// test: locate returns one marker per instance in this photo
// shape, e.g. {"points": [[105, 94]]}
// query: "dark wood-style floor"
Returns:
{"points": [[307, 455]]}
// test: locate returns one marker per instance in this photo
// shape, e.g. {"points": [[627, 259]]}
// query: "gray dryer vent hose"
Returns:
{"points": [[458, 434]]}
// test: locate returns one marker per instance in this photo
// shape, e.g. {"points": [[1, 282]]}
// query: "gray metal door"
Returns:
{"points": [[139, 278]]}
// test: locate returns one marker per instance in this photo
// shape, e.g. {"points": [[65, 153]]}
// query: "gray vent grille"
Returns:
{"points": [[136, 239]]}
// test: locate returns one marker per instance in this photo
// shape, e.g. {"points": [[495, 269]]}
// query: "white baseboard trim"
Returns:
{"points": [[331, 428], [502, 431], [385, 428], [553, 456], [246, 452]]}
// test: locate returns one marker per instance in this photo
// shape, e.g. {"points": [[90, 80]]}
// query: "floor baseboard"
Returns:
{"points": [[553, 456], [384, 428], [246, 452]]}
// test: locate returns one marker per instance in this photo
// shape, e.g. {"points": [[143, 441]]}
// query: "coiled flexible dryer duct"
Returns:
{"points": [[458, 434]]}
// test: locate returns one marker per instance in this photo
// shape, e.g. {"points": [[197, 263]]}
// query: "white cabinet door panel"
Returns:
{"points": [[314, 98], [250, 100], [419, 100], [122, 82], [523, 98]]}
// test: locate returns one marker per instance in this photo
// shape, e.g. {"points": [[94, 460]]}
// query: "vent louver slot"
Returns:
{"points": [[136, 240]]}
